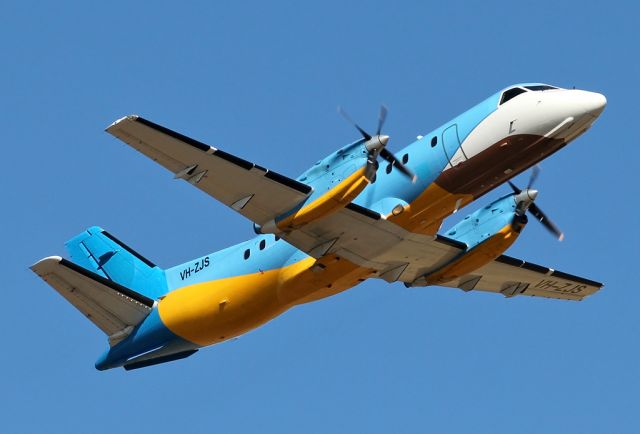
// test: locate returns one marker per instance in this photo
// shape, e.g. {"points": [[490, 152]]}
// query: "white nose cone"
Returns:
{"points": [[594, 103], [582, 103]]}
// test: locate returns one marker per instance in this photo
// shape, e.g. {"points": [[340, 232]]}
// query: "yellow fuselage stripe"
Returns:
{"points": [[218, 310]]}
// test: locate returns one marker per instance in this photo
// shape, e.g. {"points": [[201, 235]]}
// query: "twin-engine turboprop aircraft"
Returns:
{"points": [[346, 219]]}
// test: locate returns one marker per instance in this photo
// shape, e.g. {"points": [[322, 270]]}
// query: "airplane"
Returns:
{"points": [[360, 213]]}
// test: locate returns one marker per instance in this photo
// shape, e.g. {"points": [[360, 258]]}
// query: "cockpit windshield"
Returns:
{"points": [[510, 94], [541, 87]]}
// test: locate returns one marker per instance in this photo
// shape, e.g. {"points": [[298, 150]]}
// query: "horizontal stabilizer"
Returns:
{"points": [[115, 309]]}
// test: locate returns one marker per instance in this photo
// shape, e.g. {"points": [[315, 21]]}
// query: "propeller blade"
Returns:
{"points": [[345, 115], [381, 118], [542, 218], [515, 189], [384, 153], [534, 175]]}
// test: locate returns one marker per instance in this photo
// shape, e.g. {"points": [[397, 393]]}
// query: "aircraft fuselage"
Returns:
{"points": [[228, 293]]}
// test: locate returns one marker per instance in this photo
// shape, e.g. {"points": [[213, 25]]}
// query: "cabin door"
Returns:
{"points": [[452, 147]]}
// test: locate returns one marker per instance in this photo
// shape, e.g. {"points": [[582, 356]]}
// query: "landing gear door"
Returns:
{"points": [[452, 147]]}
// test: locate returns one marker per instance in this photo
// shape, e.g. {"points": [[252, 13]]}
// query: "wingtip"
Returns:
{"points": [[123, 118], [44, 262]]}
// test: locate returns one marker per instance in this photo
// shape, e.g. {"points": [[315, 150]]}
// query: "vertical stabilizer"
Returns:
{"points": [[102, 253]]}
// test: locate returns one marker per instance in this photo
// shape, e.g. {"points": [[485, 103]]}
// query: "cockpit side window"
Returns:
{"points": [[541, 87], [510, 94]]}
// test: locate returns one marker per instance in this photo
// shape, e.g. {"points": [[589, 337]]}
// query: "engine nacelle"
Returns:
{"points": [[487, 233], [320, 206]]}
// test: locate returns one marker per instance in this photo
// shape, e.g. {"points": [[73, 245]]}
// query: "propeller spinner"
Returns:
{"points": [[376, 146]]}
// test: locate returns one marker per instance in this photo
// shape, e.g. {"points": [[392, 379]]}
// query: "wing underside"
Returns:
{"points": [[511, 276], [367, 239], [255, 192]]}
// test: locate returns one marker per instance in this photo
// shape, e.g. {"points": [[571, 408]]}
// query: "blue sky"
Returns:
{"points": [[262, 80]]}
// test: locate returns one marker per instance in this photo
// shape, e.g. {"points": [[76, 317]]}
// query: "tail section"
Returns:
{"points": [[102, 253], [113, 308], [118, 290]]}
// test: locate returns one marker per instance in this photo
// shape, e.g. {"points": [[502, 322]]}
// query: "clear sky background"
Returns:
{"points": [[262, 80]]}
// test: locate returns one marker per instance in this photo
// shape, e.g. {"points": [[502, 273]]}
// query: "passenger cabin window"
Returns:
{"points": [[541, 87], [389, 168], [405, 158], [263, 244], [434, 141], [247, 253]]}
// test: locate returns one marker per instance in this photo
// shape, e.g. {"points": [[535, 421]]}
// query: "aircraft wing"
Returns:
{"points": [[511, 276], [255, 192], [395, 254]]}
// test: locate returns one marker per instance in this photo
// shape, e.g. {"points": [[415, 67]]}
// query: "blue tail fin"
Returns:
{"points": [[98, 251]]}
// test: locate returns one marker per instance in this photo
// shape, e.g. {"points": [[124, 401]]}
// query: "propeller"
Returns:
{"points": [[526, 203], [376, 147]]}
